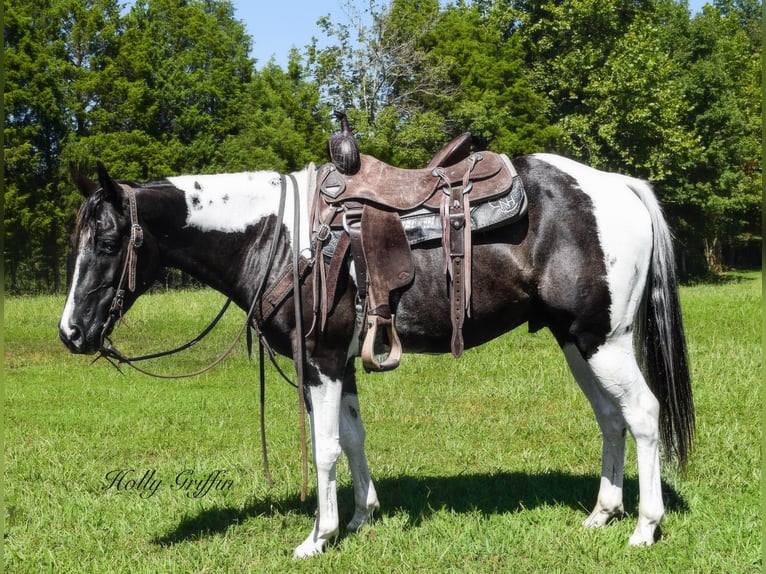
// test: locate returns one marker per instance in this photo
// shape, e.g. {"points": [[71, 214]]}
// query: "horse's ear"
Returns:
{"points": [[109, 187], [84, 185]]}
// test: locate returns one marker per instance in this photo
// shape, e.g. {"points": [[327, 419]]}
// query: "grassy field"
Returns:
{"points": [[488, 463]]}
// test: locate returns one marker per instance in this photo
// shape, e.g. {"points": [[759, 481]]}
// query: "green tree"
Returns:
{"points": [[417, 74], [153, 93], [491, 96], [641, 87], [175, 84], [375, 59], [281, 123], [632, 112], [53, 52], [723, 84]]}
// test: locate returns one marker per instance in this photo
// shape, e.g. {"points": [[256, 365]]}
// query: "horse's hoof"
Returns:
{"points": [[308, 549], [362, 517], [601, 517], [359, 520], [596, 520], [642, 536]]}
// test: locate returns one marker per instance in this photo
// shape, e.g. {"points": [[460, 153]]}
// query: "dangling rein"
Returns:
{"points": [[278, 294]]}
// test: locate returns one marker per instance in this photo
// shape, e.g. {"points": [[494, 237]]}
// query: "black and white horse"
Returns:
{"points": [[592, 261]]}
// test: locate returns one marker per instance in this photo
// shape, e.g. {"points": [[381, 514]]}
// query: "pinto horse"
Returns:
{"points": [[592, 262]]}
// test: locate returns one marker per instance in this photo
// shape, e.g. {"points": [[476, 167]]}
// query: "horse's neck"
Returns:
{"points": [[219, 229]]}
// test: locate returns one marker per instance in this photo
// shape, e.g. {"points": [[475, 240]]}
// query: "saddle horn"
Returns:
{"points": [[342, 148]]}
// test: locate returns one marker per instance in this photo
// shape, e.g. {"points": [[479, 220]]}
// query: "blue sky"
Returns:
{"points": [[276, 26]]}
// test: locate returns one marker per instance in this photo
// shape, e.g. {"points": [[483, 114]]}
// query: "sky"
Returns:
{"points": [[277, 26]]}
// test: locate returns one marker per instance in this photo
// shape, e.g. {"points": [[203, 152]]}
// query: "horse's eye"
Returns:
{"points": [[107, 247]]}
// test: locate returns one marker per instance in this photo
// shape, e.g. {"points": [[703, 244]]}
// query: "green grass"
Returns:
{"points": [[488, 463]]}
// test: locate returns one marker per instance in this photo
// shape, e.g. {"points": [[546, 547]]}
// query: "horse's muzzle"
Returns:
{"points": [[74, 337]]}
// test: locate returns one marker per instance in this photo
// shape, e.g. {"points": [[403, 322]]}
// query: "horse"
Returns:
{"points": [[592, 262]]}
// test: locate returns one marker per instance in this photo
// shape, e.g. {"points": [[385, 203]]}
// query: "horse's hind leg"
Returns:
{"points": [[612, 425], [352, 436], [619, 378]]}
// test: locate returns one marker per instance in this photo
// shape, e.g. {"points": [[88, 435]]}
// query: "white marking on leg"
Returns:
{"points": [[609, 501], [352, 436], [615, 367], [325, 443]]}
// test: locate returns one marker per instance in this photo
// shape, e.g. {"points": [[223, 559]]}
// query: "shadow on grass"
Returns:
{"points": [[421, 497]]}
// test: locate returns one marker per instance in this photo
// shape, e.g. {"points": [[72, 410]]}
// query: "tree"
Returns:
{"points": [[52, 54], [375, 60], [491, 95], [638, 87], [281, 123], [723, 85], [417, 75], [150, 94], [174, 88]]}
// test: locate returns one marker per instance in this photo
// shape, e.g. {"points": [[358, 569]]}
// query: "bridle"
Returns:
{"points": [[128, 269], [264, 305], [127, 281]]}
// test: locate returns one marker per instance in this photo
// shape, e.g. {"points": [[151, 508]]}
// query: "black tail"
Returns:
{"points": [[661, 342]]}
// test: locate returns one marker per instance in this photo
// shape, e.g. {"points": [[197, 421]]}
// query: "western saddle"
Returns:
{"points": [[360, 203]]}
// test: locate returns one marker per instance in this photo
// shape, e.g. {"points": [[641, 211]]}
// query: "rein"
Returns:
{"points": [[109, 351], [274, 297]]}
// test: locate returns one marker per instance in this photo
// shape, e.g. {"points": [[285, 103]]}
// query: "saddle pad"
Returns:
{"points": [[425, 225]]}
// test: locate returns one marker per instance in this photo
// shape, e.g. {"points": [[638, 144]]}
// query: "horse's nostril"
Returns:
{"points": [[75, 334], [72, 336]]}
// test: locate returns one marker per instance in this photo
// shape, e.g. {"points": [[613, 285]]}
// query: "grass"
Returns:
{"points": [[484, 464]]}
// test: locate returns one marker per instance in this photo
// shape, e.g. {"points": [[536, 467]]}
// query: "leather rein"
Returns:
{"points": [[269, 300]]}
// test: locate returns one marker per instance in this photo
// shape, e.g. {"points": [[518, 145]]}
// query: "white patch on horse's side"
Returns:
{"points": [[232, 202], [624, 231]]}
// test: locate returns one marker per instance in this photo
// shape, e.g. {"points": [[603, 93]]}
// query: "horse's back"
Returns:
{"points": [[577, 263]]}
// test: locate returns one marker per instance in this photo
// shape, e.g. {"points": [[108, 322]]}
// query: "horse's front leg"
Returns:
{"points": [[352, 436], [324, 398]]}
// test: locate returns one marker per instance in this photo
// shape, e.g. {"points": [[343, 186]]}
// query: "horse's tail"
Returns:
{"points": [[660, 336]]}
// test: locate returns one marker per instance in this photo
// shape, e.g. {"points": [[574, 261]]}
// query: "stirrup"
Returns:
{"points": [[384, 354]]}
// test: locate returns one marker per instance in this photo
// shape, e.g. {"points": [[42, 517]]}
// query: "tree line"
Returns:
{"points": [[168, 87]]}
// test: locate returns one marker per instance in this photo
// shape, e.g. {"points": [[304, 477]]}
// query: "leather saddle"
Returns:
{"points": [[368, 206], [402, 190]]}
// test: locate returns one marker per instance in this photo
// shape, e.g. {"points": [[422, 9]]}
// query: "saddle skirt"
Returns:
{"points": [[423, 224]]}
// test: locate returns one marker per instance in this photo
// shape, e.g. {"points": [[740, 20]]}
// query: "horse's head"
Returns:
{"points": [[108, 247]]}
